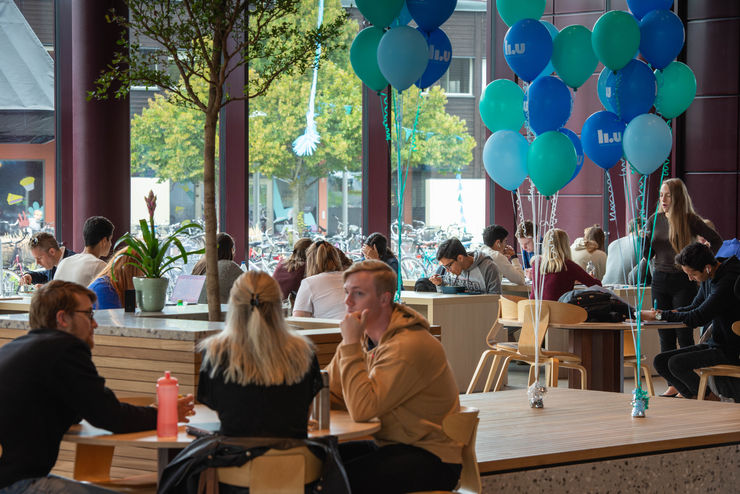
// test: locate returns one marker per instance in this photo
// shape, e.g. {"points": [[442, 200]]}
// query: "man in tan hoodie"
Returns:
{"points": [[389, 366]]}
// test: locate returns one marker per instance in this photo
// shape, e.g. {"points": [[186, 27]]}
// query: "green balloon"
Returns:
{"points": [[512, 11], [380, 12], [676, 89], [551, 162], [363, 55], [573, 57], [502, 106], [616, 39]]}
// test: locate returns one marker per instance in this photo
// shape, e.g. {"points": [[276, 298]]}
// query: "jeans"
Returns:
{"points": [[52, 485], [396, 468], [672, 290], [677, 366]]}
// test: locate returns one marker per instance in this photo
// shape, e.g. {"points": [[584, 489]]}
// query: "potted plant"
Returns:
{"points": [[150, 256]]}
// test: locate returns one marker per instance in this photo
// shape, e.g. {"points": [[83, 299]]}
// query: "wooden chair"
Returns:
{"points": [[463, 428], [630, 360], [275, 472], [726, 370]]}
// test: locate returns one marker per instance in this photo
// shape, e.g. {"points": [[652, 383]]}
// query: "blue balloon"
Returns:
{"points": [[403, 18], [603, 91], [633, 89], [430, 14], [505, 158], [641, 7], [647, 142], [527, 48], [579, 151], [661, 37], [402, 56], [440, 56], [548, 104], [549, 69], [601, 137]]}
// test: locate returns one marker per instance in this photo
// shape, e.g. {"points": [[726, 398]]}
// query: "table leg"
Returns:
{"points": [[164, 457], [602, 354]]}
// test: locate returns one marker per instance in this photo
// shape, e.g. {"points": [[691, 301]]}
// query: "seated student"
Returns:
{"points": [[590, 247], [112, 282], [525, 236], [290, 272], [228, 270], [559, 272], [49, 383], [321, 293], [476, 273], [714, 302], [257, 374], [494, 246], [48, 254], [82, 268], [376, 247], [622, 257], [389, 366]]}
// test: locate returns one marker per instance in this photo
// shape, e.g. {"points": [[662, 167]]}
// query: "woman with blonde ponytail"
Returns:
{"points": [[257, 374], [676, 226]]}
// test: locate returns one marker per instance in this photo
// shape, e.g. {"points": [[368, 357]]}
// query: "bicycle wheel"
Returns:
{"points": [[411, 268], [10, 283]]}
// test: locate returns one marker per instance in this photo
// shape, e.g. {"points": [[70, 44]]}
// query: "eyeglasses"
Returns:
{"points": [[447, 266], [90, 313]]}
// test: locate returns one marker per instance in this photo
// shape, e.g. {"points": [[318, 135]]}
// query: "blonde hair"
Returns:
{"points": [[555, 251], [384, 278], [682, 211], [121, 271], [256, 346], [322, 257]]}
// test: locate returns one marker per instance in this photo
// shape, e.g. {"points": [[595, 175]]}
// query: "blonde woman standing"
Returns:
{"points": [[560, 272], [257, 374], [676, 226]]}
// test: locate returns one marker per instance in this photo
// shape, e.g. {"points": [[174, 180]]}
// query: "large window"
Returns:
{"points": [[458, 80]]}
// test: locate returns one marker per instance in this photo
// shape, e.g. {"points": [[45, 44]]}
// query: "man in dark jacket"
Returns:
{"points": [[715, 303], [49, 382], [48, 254]]}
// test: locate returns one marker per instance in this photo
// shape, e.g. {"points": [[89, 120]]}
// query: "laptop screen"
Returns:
{"points": [[188, 288]]}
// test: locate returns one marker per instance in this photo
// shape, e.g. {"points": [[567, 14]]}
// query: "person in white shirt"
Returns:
{"points": [[621, 258], [494, 240], [590, 247], [83, 268], [321, 293]]}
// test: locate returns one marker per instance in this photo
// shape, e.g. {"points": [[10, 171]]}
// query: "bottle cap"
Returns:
{"points": [[167, 379]]}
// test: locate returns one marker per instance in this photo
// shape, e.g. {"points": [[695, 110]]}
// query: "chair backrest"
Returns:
{"points": [[463, 427], [277, 471], [529, 343], [561, 313], [629, 345], [507, 308]]}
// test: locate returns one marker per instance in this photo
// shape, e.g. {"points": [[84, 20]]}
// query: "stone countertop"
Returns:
{"points": [[116, 322]]}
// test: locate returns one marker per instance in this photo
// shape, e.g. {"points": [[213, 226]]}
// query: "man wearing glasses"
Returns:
{"points": [[475, 273], [49, 382], [48, 254]]}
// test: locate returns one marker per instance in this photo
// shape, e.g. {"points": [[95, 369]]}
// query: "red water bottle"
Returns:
{"points": [[167, 391]]}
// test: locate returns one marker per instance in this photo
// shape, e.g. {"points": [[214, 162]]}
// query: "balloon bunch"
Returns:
{"points": [[390, 51]]}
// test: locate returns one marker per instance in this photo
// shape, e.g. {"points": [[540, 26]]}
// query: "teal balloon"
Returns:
{"points": [[502, 106], [512, 11], [676, 89], [380, 13], [403, 55], [363, 55], [616, 39], [551, 162], [573, 56], [647, 142]]}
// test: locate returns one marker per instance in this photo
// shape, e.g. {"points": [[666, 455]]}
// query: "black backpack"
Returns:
{"points": [[600, 306]]}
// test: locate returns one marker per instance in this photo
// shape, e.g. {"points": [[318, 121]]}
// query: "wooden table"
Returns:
{"points": [[601, 348], [509, 288], [465, 321], [584, 426], [15, 304]]}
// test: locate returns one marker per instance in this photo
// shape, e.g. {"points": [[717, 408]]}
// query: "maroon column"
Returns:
{"points": [[376, 166], [94, 162]]}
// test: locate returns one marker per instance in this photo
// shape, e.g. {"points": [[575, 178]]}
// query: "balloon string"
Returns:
{"points": [[612, 206], [617, 87], [400, 192], [384, 99]]}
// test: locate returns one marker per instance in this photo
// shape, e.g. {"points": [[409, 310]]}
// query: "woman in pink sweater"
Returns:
{"points": [[560, 272]]}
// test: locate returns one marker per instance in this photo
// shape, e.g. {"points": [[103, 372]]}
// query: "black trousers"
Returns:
{"points": [[672, 290], [677, 366], [396, 468]]}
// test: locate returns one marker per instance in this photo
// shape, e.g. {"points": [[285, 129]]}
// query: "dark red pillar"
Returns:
{"points": [[376, 166]]}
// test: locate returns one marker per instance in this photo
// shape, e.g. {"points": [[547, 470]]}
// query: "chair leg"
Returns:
{"points": [[648, 379], [702, 386], [502, 375], [532, 374], [481, 363], [584, 381], [554, 372], [491, 373]]}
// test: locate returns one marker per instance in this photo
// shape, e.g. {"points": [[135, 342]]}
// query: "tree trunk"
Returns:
{"points": [[297, 189], [209, 208]]}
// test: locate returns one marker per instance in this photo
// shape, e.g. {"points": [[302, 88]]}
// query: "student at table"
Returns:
{"points": [[82, 268], [49, 382], [590, 248], [559, 272], [502, 255], [525, 237], [290, 272], [716, 303], [475, 273], [389, 366], [621, 258], [228, 270], [257, 374], [111, 283], [48, 254], [376, 247], [321, 293], [676, 225]]}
